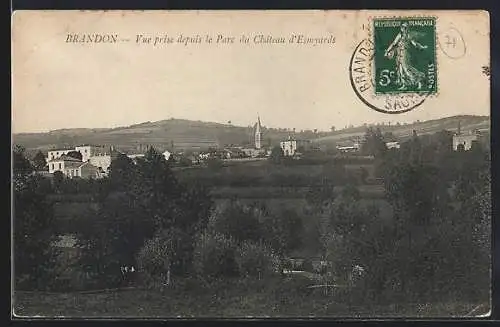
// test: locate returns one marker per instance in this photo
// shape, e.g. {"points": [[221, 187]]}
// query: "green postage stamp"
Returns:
{"points": [[405, 55]]}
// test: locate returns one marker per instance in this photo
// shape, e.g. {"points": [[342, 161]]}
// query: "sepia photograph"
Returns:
{"points": [[251, 164]]}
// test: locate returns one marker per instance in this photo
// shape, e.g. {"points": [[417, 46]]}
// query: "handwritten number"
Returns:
{"points": [[451, 41]]}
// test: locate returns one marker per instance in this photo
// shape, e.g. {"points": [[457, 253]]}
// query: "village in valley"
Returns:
{"points": [[301, 211], [94, 161]]}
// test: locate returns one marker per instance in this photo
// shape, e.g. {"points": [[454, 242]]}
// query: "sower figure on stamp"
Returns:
{"points": [[407, 75]]}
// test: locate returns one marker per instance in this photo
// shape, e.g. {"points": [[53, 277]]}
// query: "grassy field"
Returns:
{"points": [[263, 173], [258, 299]]}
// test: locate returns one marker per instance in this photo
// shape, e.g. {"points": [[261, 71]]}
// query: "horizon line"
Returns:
{"points": [[228, 123]]}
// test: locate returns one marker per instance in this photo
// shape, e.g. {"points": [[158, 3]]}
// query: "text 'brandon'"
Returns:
{"points": [[91, 38]]}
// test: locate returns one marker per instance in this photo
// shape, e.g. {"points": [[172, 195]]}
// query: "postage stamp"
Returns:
{"points": [[405, 55], [361, 76]]}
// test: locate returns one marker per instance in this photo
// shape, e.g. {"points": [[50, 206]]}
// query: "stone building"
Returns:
{"points": [[463, 141], [72, 167], [95, 155], [293, 146]]}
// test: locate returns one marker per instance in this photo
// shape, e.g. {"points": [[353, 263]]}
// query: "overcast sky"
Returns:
{"points": [[69, 85]]}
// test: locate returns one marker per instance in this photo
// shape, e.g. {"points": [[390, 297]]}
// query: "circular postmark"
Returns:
{"points": [[361, 78]]}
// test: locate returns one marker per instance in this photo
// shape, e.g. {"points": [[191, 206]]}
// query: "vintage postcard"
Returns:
{"points": [[249, 164]]}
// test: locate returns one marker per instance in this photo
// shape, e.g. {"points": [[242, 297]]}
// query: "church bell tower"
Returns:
{"points": [[258, 134]]}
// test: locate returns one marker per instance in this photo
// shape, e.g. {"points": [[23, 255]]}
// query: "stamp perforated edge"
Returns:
{"points": [[371, 38]]}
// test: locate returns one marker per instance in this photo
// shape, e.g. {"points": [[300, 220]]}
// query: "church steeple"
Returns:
{"points": [[258, 134]]}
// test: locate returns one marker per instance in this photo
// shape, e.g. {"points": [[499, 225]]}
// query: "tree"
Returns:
{"points": [[389, 137], [347, 228], [195, 204], [444, 140], [164, 255], [255, 260], [39, 161], [237, 222], [214, 257], [428, 232], [283, 231], [276, 155], [416, 190], [156, 190], [373, 143], [154, 261], [21, 165], [34, 230], [143, 201], [415, 148], [122, 173], [58, 181]]}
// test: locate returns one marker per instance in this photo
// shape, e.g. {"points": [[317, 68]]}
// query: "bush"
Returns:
{"points": [[165, 252], [154, 260], [214, 257], [256, 260], [238, 222], [283, 231], [34, 229]]}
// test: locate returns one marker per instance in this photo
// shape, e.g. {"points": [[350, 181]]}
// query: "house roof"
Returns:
{"points": [[55, 150], [65, 157], [88, 164], [73, 164]]}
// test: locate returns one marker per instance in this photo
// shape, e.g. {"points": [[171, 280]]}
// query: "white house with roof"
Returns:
{"points": [[167, 155], [135, 157], [87, 151], [464, 141], [84, 170], [349, 148], [54, 154], [94, 154], [60, 163], [291, 146], [72, 167], [392, 145]]}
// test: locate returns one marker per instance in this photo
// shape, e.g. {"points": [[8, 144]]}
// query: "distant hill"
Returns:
{"points": [[403, 131], [186, 134]]}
